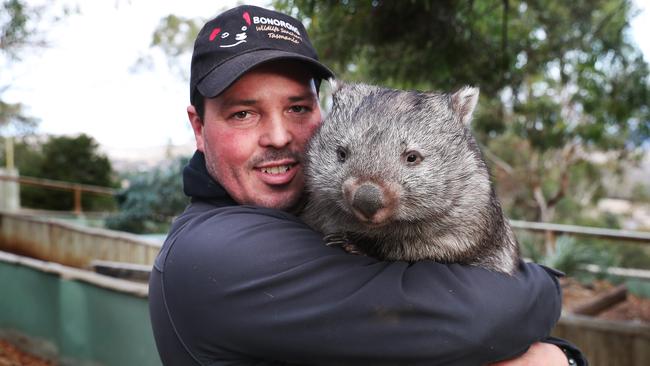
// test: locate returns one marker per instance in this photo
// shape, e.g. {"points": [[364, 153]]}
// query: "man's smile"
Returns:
{"points": [[277, 173], [278, 169]]}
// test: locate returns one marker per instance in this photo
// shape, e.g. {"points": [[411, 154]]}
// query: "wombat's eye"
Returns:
{"points": [[341, 153], [412, 157]]}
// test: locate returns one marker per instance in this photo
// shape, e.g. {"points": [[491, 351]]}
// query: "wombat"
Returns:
{"points": [[399, 175]]}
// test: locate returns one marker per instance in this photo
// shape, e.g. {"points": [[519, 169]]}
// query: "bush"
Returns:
{"points": [[151, 200]]}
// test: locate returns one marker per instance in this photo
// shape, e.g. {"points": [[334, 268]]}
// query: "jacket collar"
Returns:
{"points": [[199, 185]]}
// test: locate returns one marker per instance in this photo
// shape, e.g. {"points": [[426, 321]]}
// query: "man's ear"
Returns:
{"points": [[197, 126]]}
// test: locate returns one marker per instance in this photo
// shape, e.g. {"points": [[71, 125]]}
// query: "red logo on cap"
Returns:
{"points": [[214, 33], [239, 37]]}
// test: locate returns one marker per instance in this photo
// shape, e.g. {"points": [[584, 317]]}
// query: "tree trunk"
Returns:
{"points": [[546, 214]]}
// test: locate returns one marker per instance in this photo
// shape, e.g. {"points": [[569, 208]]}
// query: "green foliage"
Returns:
{"points": [[569, 255], [27, 155], [573, 253], [71, 159], [528, 168], [14, 34], [174, 36], [567, 66], [151, 200], [14, 113], [641, 192], [405, 44], [22, 23], [14, 31], [530, 247]]}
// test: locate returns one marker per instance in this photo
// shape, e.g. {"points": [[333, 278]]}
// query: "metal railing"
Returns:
{"points": [[618, 237], [574, 230]]}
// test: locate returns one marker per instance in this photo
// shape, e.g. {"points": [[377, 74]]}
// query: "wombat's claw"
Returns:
{"points": [[341, 240], [335, 240]]}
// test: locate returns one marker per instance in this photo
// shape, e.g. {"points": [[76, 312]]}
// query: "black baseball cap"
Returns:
{"points": [[241, 38]]}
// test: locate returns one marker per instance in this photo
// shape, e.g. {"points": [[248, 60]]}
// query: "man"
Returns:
{"points": [[240, 280]]}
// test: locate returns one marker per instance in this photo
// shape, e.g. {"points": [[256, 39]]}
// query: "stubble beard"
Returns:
{"points": [[295, 202]]}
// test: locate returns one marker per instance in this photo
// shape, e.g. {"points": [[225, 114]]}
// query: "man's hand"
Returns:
{"points": [[539, 354]]}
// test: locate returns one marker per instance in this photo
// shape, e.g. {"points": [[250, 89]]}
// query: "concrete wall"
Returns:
{"points": [[69, 244], [74, 317]]}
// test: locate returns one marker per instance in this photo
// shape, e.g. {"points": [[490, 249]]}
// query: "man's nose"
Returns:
{"points": [[277, 133]]}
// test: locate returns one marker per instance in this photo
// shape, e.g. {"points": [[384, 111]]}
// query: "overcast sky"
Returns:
{"points": [[84, 82]]}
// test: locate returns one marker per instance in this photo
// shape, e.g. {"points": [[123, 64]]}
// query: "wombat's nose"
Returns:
{"points": [[367, 200]]}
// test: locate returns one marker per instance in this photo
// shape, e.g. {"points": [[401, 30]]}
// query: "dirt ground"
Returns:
{"points": [[12, 356], [633, 308]]}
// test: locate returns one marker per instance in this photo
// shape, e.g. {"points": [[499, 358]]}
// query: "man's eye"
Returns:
{"points": [[299, 109], [240, 115]]}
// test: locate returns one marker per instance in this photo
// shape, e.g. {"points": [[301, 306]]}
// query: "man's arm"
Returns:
{"points": [[257, 283], [539, 354]]}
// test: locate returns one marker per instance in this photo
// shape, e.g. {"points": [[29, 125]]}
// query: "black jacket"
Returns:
{"points": [[247, 285]]}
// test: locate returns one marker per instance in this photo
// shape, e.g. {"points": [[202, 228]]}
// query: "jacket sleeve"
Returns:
{"points": [[253, 282]]}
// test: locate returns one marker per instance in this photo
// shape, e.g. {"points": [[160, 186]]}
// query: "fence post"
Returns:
{"points": [[9, 191], [77, 200], [9, 153]]}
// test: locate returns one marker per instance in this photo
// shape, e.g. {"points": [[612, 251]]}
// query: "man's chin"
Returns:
{"points": [[281, 197], [285, 201]]}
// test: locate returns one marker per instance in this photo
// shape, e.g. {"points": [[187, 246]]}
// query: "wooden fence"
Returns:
{"points": [[76, 188], [604, 342]]}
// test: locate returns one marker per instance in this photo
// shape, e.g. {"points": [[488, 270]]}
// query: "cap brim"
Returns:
{"points": [[221, 77]]}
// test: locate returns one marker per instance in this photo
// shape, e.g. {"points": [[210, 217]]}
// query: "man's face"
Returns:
{"points": [[254, 134]]}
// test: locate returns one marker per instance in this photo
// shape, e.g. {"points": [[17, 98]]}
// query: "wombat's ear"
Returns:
{"points": [[335, 85], [326, 98], [463, 103]]}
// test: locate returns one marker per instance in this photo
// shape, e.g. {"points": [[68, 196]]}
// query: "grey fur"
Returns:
{"points": [[401, 175]]}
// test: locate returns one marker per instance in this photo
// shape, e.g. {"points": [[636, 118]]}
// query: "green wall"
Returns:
{"points": [[88, 324]]}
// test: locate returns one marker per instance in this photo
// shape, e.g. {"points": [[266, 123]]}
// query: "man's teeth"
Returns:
{"points": [[276, 169]]}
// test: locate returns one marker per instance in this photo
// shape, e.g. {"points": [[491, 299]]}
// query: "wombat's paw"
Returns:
{"points": [[341, 240]]}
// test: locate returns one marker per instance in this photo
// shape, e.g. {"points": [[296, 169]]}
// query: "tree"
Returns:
{"points": [[14, 35], [173, 38], [558, 79], [71, 159]]}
